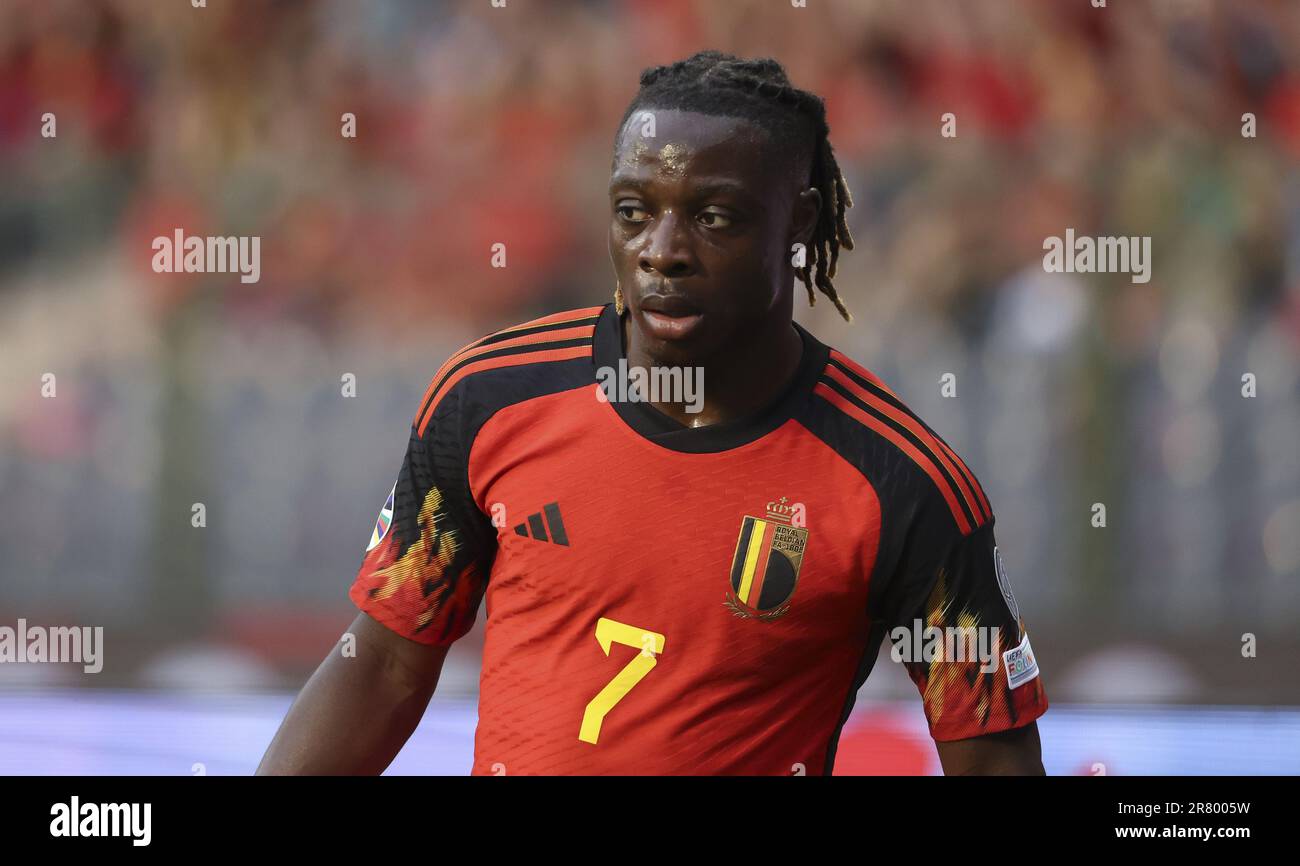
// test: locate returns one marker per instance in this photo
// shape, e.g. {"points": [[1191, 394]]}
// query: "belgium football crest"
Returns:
{"points": [[766, 565]]}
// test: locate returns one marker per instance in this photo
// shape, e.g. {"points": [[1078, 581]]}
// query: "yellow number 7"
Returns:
{"points": [[610, 632]]}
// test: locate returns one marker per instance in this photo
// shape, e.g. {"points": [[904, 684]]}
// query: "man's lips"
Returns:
{"points": [[665, 327], [669, 317], [675, 306]]}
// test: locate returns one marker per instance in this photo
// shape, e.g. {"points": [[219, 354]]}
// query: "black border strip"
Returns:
{"points": [[965, 471], [975, 522], [496, 353]]}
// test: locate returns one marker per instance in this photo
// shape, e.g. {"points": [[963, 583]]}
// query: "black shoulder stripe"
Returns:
{"points": [[902, 407], [535, 329], [975, 520], [528, 348], [868, 385]]}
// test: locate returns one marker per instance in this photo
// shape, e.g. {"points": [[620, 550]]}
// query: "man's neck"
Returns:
{"points": [[740, 381]]}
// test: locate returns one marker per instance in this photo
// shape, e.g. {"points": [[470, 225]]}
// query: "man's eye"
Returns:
{"points": [[715, 220], [631, 212]]}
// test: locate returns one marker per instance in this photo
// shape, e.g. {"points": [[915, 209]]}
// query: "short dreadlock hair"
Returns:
{"points": [[759, 90]]}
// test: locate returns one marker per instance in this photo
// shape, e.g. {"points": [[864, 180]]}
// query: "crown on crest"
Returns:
{"points": [[780, 511]]}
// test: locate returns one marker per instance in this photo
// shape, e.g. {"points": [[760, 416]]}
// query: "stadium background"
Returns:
{"points": [[478, 125]]}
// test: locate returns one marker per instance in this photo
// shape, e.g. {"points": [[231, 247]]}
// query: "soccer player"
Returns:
{"points": [[673, 591]]}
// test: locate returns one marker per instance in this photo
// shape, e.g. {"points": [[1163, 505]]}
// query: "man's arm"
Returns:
{"points": [[983, 690], [1006, 753], [355, 714]]}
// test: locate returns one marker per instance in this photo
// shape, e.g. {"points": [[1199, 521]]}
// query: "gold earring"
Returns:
{"points": [[618, 298]]}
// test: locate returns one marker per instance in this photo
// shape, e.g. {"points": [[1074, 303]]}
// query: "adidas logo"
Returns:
{"points": [[537, 528]]}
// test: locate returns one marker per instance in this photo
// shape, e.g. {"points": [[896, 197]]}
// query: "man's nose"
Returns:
{"points": [[668, 250]]}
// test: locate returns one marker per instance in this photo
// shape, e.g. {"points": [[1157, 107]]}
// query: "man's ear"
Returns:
{"points": [[807, 208]]}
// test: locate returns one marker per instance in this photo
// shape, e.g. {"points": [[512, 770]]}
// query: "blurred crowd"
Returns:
{"points": [[477, 125]]}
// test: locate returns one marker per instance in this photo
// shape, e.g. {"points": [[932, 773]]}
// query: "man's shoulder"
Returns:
{"points": [[850, 391], [864, 420], [513, 363]]}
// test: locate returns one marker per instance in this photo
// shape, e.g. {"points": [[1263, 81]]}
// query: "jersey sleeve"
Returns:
{"points": [[425, 570], [955, 625]]}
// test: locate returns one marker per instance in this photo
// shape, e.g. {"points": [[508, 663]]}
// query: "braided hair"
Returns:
{"points": [[711, 82]]}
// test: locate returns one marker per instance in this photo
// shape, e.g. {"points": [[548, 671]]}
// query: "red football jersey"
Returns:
{"points": [[672, 600]]}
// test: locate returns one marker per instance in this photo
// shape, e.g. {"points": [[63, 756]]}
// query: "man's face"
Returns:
{"points": [[700, 231]]}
